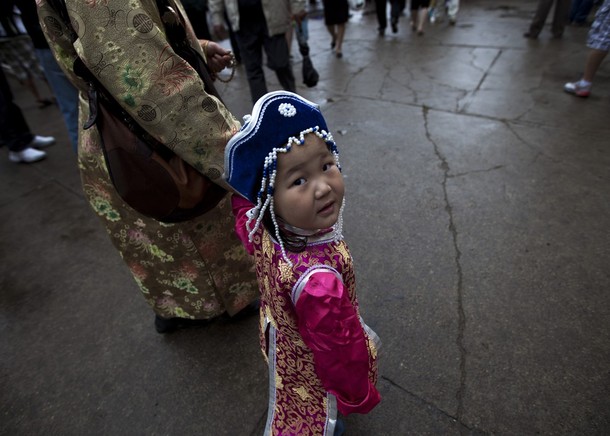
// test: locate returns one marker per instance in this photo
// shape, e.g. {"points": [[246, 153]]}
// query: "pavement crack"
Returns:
{"points": [[486, 73], [469, 98], [467, 173], [424, 403], [537, 151], [444, 165]]}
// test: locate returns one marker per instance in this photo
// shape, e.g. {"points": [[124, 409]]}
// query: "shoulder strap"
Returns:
{"points": [[175, 28]]}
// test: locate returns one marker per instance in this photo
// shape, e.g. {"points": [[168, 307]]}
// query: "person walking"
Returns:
{"points": [[560, 18], [261, 26], [191, 271], [336, 14], [419, 15], [65, 93], [599, 43], [579, 12], [15, 132]]}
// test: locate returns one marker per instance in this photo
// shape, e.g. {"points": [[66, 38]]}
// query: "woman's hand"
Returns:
{"points": [[218, 58], [299, 16]]}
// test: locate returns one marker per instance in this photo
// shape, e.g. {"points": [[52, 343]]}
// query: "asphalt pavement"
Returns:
{"points": [[478, 214]]}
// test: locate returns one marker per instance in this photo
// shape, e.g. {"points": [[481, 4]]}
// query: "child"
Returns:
{"points": [[322, 357]]}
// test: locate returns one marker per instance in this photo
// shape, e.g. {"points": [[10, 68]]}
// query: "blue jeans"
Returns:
{"points": [[65, 93]]}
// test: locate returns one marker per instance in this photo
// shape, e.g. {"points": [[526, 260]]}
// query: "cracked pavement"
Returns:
{"points": [[476, 210]]}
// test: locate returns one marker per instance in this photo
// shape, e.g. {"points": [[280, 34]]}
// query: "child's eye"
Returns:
{"points": [[299, 181], [327, 166]]}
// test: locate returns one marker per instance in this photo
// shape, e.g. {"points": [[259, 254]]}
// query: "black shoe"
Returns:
{"points": [[168, 325], [394, 24], [381, 31]]}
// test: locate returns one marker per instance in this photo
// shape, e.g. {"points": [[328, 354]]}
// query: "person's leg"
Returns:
{"points": [[278, 60], [333, 35], [423, 15], [542, 11], [30, 85], [250, 47], [594, 60], [453, 6], [580, 15], [382, 15], [396, 8], [65, 93], [560, 17], [415, 5], [14, 130], [598, 41], [340, 35], [574, 10], [13, 127], [582, 87], [233, 39]]}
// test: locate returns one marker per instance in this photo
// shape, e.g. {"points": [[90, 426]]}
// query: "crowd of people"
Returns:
{"points": [[261, 31]]}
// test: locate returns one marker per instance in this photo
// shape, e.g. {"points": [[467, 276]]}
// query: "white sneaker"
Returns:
{"points": [[28, 155], [42, 141]]}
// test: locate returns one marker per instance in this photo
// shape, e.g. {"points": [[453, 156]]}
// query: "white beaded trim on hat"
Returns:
{"points": [[268, 186]]}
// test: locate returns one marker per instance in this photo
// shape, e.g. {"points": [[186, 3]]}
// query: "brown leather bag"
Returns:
{"points": [[149, 177]]}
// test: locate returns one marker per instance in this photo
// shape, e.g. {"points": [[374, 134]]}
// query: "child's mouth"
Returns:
{"points": [[327, 210]]}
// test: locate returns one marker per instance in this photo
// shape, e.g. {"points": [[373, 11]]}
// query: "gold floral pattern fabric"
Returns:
{"points": [[195, 269]]}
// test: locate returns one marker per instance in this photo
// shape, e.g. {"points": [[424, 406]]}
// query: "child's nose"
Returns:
{"points": [[322, 188]]}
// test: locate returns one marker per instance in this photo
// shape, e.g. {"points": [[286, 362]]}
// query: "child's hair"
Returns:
{"points": [[279, 121]]}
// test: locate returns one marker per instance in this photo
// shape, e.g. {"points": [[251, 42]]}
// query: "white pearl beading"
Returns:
{"points": [[287, 109]]}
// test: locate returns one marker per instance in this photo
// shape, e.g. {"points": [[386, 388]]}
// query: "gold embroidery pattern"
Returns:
{"points": [[301, 403]]}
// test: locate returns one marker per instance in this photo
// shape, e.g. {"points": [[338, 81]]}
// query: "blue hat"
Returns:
{"points": [[279, 119]]}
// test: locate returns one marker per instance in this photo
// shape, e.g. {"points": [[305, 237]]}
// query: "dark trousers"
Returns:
{"points": [[580, 11], [397, 7], [252, 38], [560, 16], [382, 13], [14, 130]]}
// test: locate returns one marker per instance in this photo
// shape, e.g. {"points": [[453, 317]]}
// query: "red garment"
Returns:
{"points": [[312, 302], [330, 326]]}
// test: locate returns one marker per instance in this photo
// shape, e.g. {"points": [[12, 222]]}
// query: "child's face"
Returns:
{"points": [[308, 187]]}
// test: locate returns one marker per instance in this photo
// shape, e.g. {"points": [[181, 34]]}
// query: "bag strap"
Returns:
{"points": [[175, 28]]}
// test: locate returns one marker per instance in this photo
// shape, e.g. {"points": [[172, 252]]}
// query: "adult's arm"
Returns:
{"points": [[124, 45]]}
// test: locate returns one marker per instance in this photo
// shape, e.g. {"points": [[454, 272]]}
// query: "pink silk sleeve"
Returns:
{"points": [[331, 328], [241, 206]]}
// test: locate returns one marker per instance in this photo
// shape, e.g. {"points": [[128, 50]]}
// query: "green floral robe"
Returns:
{"points": [[196, 269]]}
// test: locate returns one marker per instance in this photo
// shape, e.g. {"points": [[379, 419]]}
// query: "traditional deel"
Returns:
{"points": [[309, 380], [196, 269], [298, 402]]}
